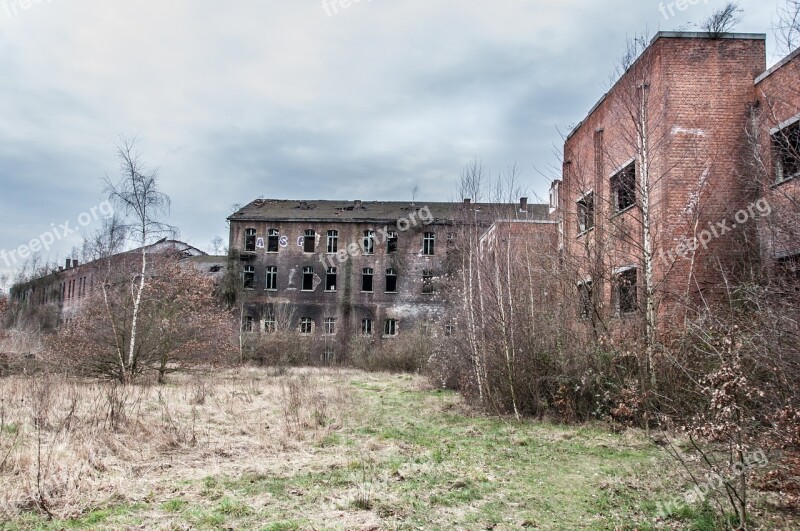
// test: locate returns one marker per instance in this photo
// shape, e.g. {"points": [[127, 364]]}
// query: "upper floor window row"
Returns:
{"points": [[308, 242]]}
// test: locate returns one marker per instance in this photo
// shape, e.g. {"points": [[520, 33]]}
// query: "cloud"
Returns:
{"points": [[252, 98]]}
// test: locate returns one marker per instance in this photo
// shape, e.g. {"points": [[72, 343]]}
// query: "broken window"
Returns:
{"points": [[273, 241], [249, 277], [333, 241], [272, 278], [329, 355], [623, 188], [449, 330], [369, 242], [309, 241], [428, 244], [786, 145], [308, 279], [366, 279], [270, 322], [250, 240], [247, 325], [626, 292], [306, 325], [789, 271], [390, 327], [391, 242], [330, 279], [366, 327], [391, 281], [585, 299], [427, 282], [586, 213]]}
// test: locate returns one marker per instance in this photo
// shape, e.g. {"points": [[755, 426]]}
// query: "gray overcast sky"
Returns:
{"points": [[289, 99]]}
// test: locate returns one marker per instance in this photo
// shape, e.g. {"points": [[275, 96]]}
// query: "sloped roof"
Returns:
{"points": [[379, 211]]}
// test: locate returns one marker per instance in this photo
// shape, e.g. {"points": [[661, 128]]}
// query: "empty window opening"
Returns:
{"points": [[329, 355], [627, 298], [623, 188], [391, 242], [308, 279], [309, 241], [391, 281], [333, 241], [272, 278], [366, 279], [786, 145], [330, 279], [427, 282], [366, 327], [390, 327], [250, 240], [429, 244], [273, 241], [369, 242], [249, 277], [586, 213], [585, 299], [270, 322], [789, 270]]}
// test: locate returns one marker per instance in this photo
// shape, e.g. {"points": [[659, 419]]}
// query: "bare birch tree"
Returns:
{"points": [[138, 198]]}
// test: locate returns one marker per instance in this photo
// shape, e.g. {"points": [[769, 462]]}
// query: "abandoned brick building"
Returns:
{"points": [[64, 291], [353, 268], [673, 138], [689, 160]]}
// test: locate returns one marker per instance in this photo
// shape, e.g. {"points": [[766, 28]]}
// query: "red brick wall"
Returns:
{"points": [[699, 91]]}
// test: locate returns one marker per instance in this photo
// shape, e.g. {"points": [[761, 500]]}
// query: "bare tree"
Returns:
{"points": [[787, 27], [723, 20], [137, 195]]}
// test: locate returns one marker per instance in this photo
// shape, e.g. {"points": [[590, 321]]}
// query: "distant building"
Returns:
{"points": [[353, 268], [65, 290]]}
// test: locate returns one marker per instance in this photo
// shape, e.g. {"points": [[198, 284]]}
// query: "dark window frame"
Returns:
{"points": [[623, 188]]}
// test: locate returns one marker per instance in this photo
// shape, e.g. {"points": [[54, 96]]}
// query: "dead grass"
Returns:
{"points": [[307, 449]]}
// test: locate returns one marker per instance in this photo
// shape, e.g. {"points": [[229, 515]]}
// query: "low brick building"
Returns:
{"points": [[62, 292]]}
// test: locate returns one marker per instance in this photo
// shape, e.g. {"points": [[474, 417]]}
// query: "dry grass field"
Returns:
{"points": [[313, 449]]}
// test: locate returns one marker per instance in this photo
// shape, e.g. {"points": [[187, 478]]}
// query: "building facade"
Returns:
{"points": [[336, 269], [660, 199]]}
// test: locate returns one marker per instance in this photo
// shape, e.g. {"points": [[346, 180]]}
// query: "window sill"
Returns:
{"points": [[388, 337], [391, 292], [270, 289], [367, 292], [329, 291], [620, 212], [785, 180], [306, 291]]}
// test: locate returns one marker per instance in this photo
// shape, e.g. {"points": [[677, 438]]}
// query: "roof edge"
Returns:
{"points": [[780, 64]]}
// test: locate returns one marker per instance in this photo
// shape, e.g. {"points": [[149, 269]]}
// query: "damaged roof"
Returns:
{"points": [[383, 211]]}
